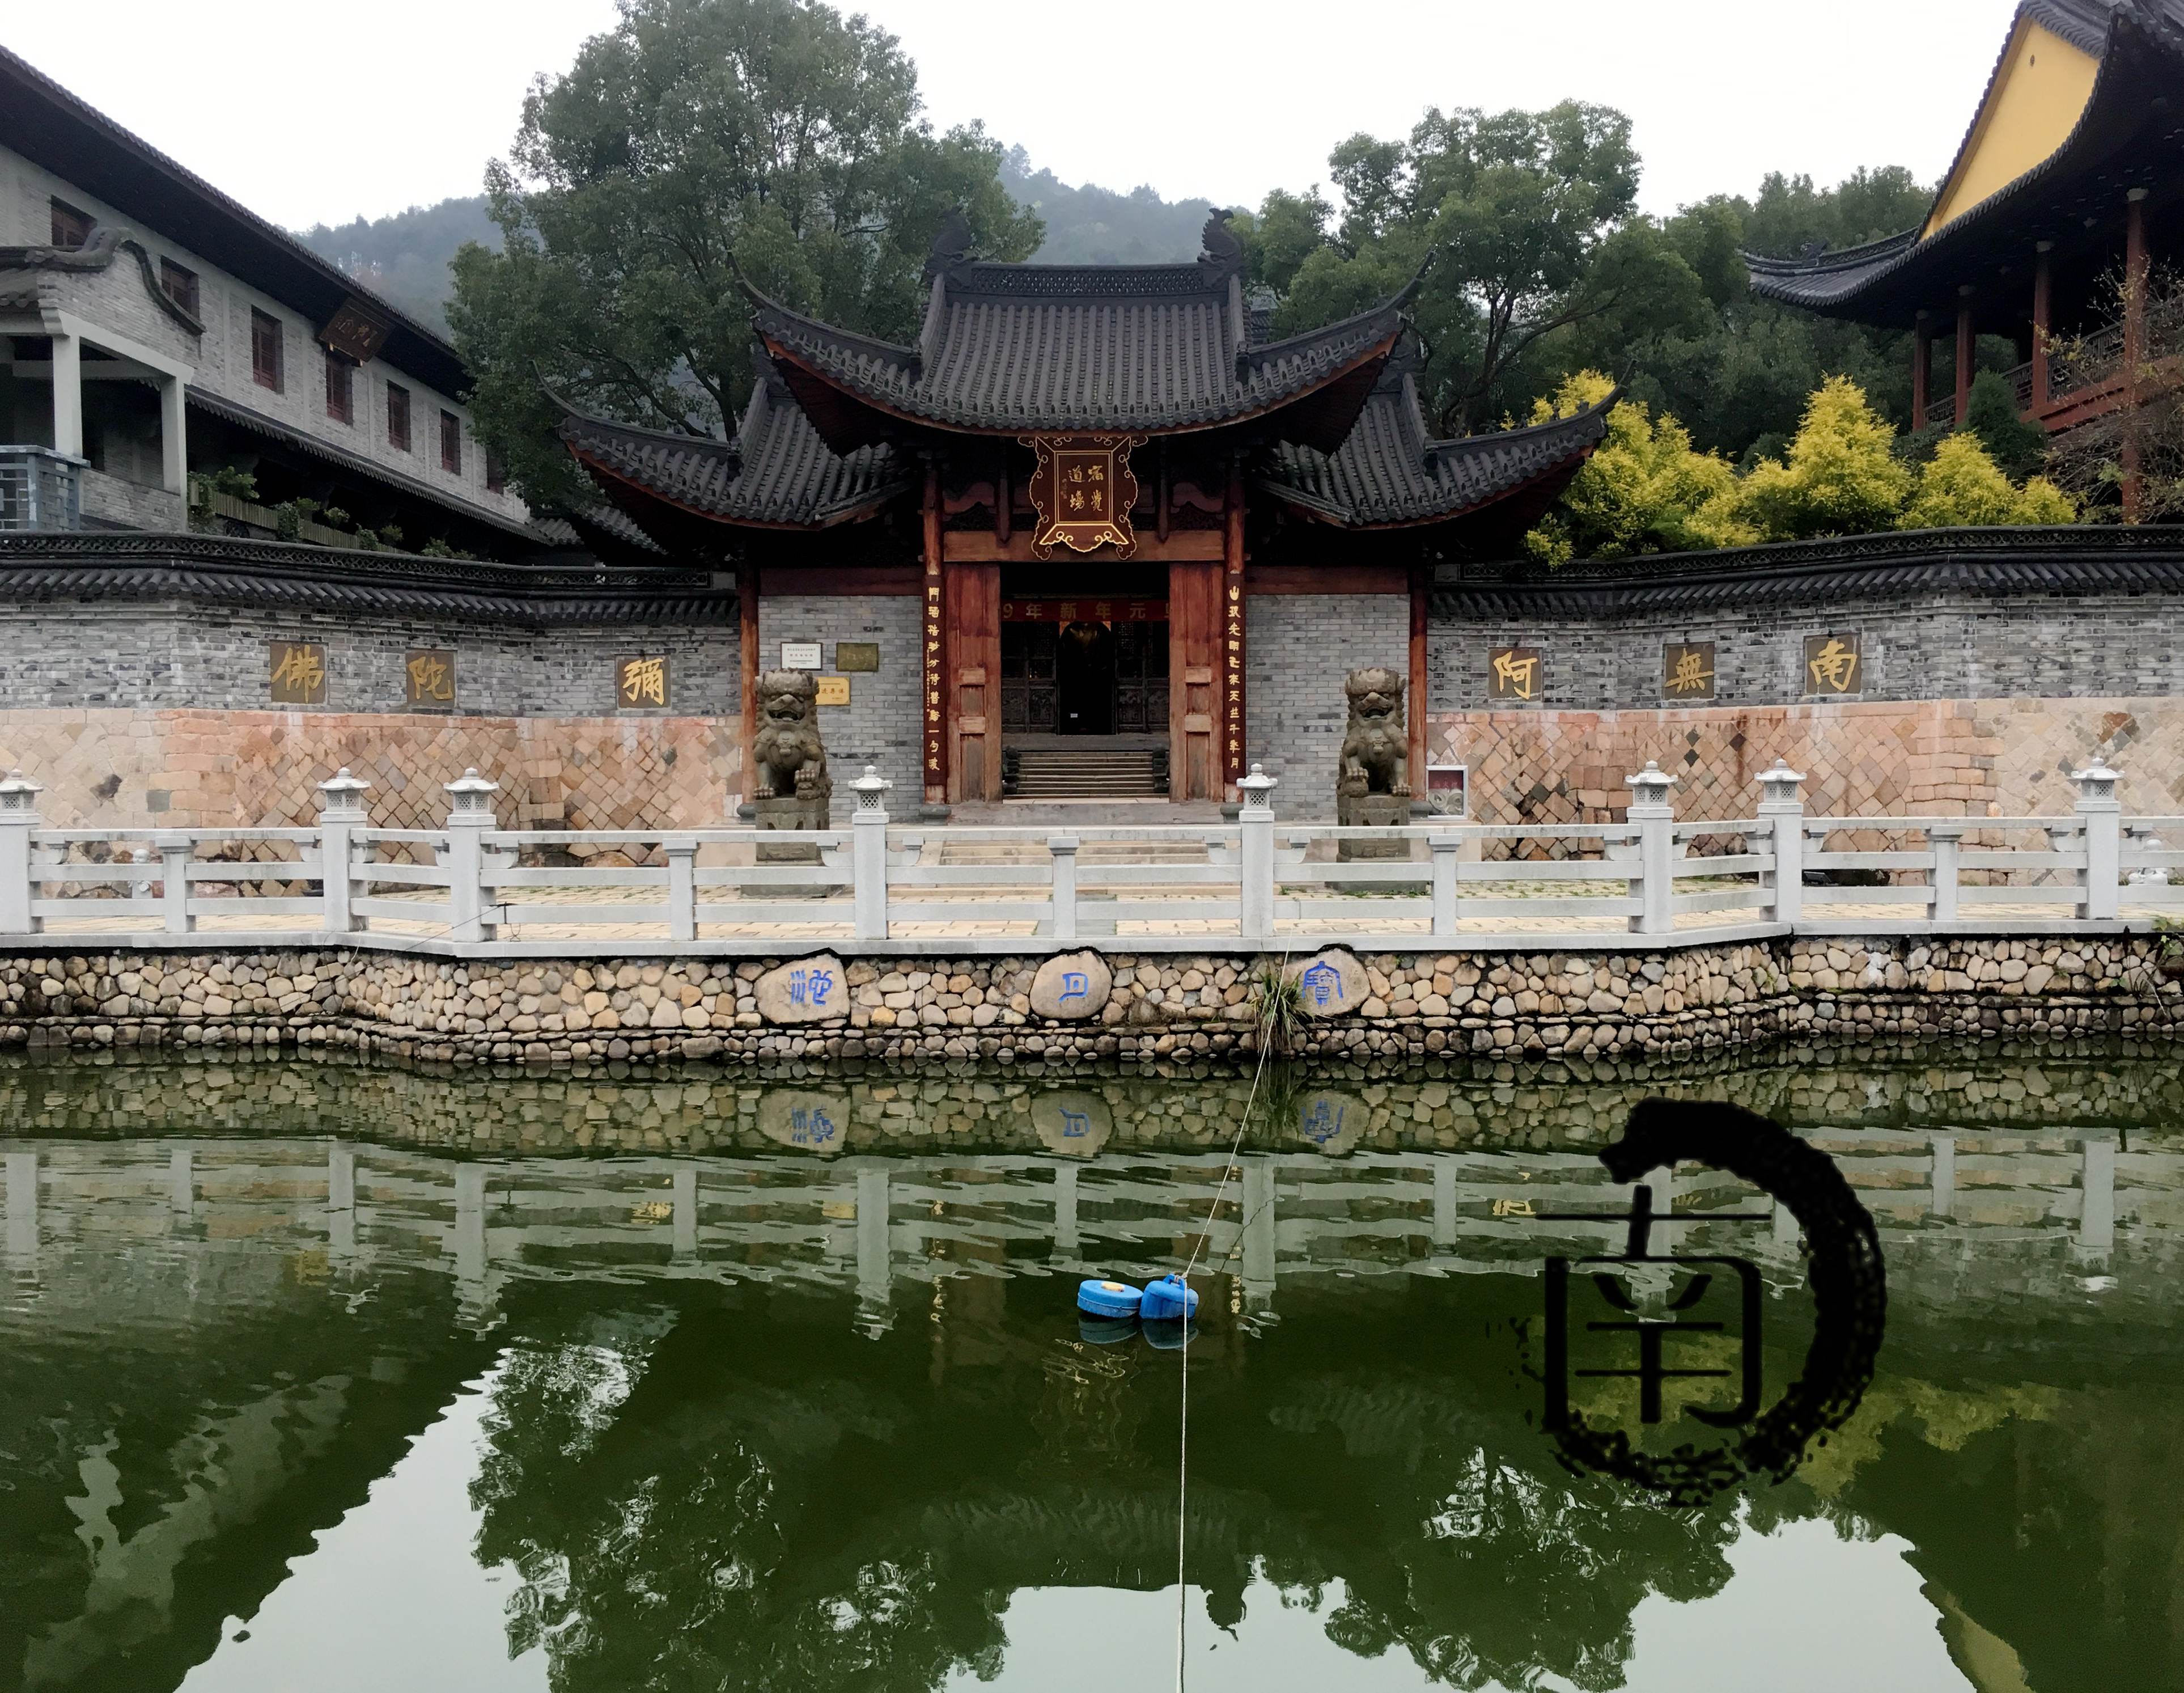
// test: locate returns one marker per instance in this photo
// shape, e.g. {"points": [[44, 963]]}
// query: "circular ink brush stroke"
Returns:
{"points": [[1848, 1283]]}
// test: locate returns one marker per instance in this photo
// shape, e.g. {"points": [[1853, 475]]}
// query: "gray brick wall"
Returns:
{"points": [[1297, 648], [881, 724], [1935, 647], [132, 504], [186, 658]]}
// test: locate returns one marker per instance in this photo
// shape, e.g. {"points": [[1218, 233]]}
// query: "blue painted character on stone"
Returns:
{"points": [[810, 987], [1322, 1120], [809, 1125], [1322, 985], [1075, 985], [1075, 1125]]}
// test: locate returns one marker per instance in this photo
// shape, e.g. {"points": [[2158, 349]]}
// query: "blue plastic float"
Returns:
{"points": [[1108, 1298], [1167, 1298]]}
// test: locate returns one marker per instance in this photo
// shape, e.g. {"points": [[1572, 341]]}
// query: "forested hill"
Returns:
{"points": [[404, 258]]}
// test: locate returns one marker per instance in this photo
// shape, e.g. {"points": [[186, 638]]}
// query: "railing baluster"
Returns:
{"points": [[18, 817], [1946, 841], [1656, 820], [2101, 815], [1781, 804], [682, 889], [175, 870]]}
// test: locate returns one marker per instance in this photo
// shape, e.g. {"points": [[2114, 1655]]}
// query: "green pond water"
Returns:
{"points": [[321, 1376]]}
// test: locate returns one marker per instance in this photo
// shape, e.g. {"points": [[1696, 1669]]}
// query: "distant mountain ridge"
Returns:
{"points": [[403, 258]]}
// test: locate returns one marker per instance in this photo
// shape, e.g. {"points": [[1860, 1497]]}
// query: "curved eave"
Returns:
{"points": [[2140, 61], [633, 498], [850, 413]]}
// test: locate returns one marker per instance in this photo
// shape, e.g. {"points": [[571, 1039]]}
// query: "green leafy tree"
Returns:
{"points": [[1839, 475], [2019, 448], [1645, 489], [1962, 485], [693, 136]]}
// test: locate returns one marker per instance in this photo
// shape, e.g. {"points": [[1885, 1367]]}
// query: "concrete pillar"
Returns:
{"points": [[68, 395], [1947, 841], [341, 811], [175, 885], [19, 817], [1255, 853], [173, 441], [468, 820], [1444, 1222], [682, 889], [868, 827], [2101, 816], [1782, 807], [1656, 820], [469, 1229]]}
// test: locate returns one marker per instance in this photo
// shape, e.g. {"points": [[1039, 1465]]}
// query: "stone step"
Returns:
{"points": [[1047, 772]]}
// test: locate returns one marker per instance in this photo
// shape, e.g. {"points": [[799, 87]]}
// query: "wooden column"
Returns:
{"points": [[1233, 749], [2043, 312], [2135, 279], [972, 597], [1193, 657], [1922, 372], [934, 691], [1421, 621], [1967, 349], [747, 664]]}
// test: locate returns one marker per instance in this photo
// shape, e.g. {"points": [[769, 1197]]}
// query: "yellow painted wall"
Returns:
{"points": [[2035, 102]]}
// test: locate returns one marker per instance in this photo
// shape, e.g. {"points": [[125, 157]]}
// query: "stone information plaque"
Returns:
{"points": [[802, 655], [1687, 670], [641, 684], [1835, 664], [833, 690], [297, 671], [428, 679], [862, 656], [1516, 673]]}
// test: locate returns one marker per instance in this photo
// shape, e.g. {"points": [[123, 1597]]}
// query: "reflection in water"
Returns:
{"points": [[732, 1413]]}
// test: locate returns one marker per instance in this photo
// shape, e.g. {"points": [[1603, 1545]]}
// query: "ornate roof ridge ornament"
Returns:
{"points": [[1082, 488]]}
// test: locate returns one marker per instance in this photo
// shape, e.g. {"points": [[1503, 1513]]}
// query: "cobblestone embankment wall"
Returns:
{"points": [[1406, 1006]]}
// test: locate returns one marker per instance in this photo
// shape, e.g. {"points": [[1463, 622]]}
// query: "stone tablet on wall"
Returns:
{"points": [[1074, 1124], [1835, 664], [641, 684], [296, 672], [1071, 985], [861, 655], [807, 991], [1330, 984], [1687, 670], [428, 679], [1516, 673], [804, 1119]]}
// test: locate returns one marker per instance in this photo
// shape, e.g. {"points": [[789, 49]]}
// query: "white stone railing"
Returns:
{"points": [[1256, 882]]}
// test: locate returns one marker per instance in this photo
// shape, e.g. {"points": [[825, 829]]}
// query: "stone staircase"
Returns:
{"points": [[1045, 774]]}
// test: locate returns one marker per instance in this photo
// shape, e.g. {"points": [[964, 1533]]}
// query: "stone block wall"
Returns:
{"points": [[2008, 757], [1298, 648], [1570, 1006], [881, 724]]}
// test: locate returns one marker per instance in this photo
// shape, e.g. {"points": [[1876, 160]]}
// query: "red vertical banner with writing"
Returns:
{"points": [[935, 690], [1232, 670]]}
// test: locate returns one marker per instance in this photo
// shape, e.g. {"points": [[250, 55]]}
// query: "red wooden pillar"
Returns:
{"points": [[2043, 312], [2135, 279], [1421, 618], [1922, 372], [747, 664], [1194, 649], [1966, 347], [935, 692], [971, 594], [1232, 637]]}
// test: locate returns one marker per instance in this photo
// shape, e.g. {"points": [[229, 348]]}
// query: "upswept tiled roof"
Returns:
{"points": [[2121, 107], [776, 470], [1388, 474], [1017, 348]]}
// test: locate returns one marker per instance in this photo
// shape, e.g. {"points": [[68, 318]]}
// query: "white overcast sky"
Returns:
{"points": [[309, 110]]}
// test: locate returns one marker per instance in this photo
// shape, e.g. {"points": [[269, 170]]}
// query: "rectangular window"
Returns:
{"points": [[397, 418], [338, 392], [451, 444], [265, 349], [71, 225], [496, 471], [181, 283]]}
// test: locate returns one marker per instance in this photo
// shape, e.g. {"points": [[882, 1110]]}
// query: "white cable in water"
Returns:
{"points": [[1183, 1417]]}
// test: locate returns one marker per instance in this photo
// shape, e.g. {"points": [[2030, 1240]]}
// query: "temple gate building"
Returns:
{"points": [[1133, 540]]}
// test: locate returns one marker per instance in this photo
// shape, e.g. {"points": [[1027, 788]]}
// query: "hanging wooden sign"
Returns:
{"points": [[357, 330], [1082, 491]]}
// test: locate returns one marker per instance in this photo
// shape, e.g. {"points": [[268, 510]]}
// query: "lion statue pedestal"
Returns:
{"points": [[1372, 777]]}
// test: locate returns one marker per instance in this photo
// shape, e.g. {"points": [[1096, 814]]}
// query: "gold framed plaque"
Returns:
{"points": [[641, 684], [428, 679], [1835, 665], [297, 671], [1082, 490], [1687, 670]]}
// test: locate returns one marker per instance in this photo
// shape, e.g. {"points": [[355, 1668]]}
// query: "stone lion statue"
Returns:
{"points": [[1376, 747], [790, 759]]}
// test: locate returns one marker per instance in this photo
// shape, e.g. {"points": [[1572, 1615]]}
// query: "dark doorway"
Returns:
{"points": [[1084, 679]]}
